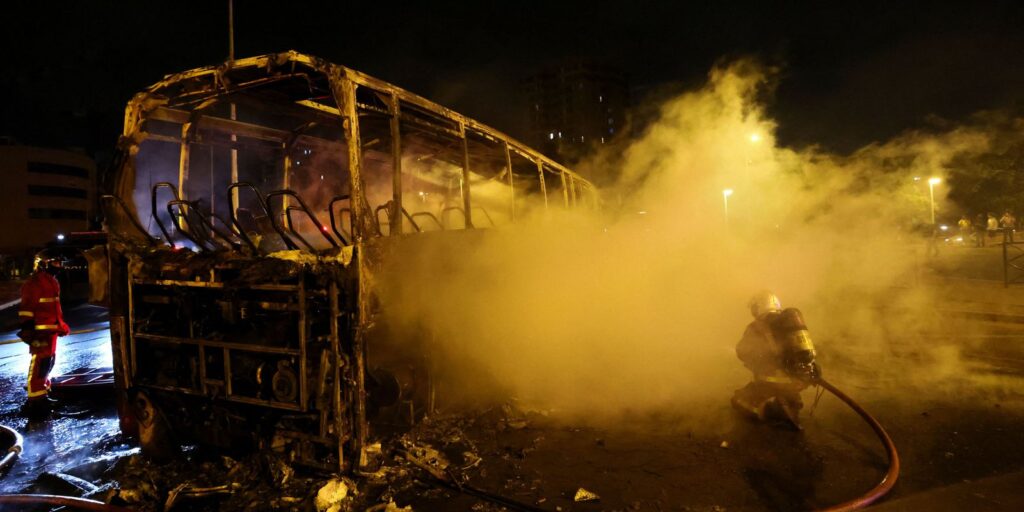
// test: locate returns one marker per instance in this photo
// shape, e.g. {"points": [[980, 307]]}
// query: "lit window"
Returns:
{"points": [[600, 99], [559, 135], [582, 138], [610, 120], [611, 130], [602, 140], [551, 136]]}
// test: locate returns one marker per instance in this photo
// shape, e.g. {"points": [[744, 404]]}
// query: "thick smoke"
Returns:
{"points": [[639, 307]]}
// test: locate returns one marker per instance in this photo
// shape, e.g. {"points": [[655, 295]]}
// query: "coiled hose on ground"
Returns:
{"points": [[12, 442], [889, 480]]}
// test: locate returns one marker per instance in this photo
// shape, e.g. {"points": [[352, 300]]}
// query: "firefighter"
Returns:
{"points": [[41, 323], [777, 348]]}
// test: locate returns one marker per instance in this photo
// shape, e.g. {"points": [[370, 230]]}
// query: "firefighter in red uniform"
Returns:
{"points": [[41, 322], [777, 348]]}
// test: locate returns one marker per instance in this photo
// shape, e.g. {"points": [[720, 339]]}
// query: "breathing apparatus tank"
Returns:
{"points": [[797, 348]]}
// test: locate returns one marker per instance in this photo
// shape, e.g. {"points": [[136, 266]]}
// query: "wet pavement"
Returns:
{"points": [[61, 442], [952, 427]]}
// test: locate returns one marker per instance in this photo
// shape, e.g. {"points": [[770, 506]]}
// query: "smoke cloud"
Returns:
{"points": [[638, 307]]}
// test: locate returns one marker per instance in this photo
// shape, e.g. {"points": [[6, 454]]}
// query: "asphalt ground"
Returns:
{"points": [[956, 427]]}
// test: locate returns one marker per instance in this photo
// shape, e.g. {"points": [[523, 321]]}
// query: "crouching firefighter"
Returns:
{"points": [[41, 322], [778, 350]]}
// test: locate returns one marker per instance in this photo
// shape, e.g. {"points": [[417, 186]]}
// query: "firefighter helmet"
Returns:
{"points": [[764, 302], [48, 262]]}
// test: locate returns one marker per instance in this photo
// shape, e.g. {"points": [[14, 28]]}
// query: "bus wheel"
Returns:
{"points": [[155, 436]]}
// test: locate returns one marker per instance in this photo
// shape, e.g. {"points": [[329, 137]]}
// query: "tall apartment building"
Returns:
{"points": [[576, 107], [44, 192]]}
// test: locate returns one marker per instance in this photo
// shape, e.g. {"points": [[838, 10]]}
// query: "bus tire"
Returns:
{"points": [[155, 435]]}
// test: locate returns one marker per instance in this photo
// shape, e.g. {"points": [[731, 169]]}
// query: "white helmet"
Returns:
{"points": [[764, 302]]}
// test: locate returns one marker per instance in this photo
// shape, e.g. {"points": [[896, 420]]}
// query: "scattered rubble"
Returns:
{"points": [[583, 495], [475, 460], [187, 490], [389, 507], [331, 496]]}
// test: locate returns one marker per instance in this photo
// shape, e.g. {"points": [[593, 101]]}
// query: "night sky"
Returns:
{"points": [[852, 72]]}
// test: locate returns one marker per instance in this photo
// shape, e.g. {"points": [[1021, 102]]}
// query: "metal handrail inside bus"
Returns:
{"points": [[411, 220], [291, 227], [305, 209], [334, 224], [135, 222], [262, 201], [227, 235], [152, 207], [387, 207], [446, 211], [429, 215], [184, 218], [210, 231], [488, 215], [205, 232]]}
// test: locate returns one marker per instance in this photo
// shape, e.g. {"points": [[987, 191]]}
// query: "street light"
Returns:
{"points": [[725, 196], [755, 137], [931, 194]]}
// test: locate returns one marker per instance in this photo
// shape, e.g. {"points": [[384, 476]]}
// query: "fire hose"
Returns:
{"points": [[59, 501], [889, 480], [15, 443]]}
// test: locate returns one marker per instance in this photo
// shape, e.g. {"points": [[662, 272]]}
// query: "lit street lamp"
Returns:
{"points": [[725, 196], [931, 194]]}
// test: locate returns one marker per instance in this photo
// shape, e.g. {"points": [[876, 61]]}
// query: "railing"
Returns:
{"points": [[1013, 258]]}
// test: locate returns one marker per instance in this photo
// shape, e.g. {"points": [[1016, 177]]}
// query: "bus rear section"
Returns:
{"points": [[256, 205]]}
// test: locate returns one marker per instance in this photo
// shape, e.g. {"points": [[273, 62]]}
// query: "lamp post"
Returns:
{"points": [[725, 196], [931, 195]]}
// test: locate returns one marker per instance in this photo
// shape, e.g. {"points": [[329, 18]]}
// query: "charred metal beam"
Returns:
{"points": [[396, 165], [467, 207], [364, 225], [543, 185], [511, 182]]}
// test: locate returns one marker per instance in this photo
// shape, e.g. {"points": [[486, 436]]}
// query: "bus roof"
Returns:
{"points": [[190, 88]]}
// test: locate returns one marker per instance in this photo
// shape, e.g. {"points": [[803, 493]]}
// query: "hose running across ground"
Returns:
{"points": [[889, 480], [25, 500]]}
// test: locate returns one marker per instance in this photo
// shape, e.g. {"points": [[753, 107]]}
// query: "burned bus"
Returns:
{"points": [[255, 204]]}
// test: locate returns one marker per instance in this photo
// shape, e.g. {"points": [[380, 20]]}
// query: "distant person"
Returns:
{"points": [[992, 225], [777, 349], [979, 230], [1007, 221], [965, 229], [42, 321]]}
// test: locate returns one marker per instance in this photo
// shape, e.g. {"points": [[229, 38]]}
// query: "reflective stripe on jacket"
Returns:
{"points": [[40, 302]]}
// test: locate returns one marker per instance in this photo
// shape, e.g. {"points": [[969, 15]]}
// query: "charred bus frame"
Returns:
{"points": [[241, 318]]}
